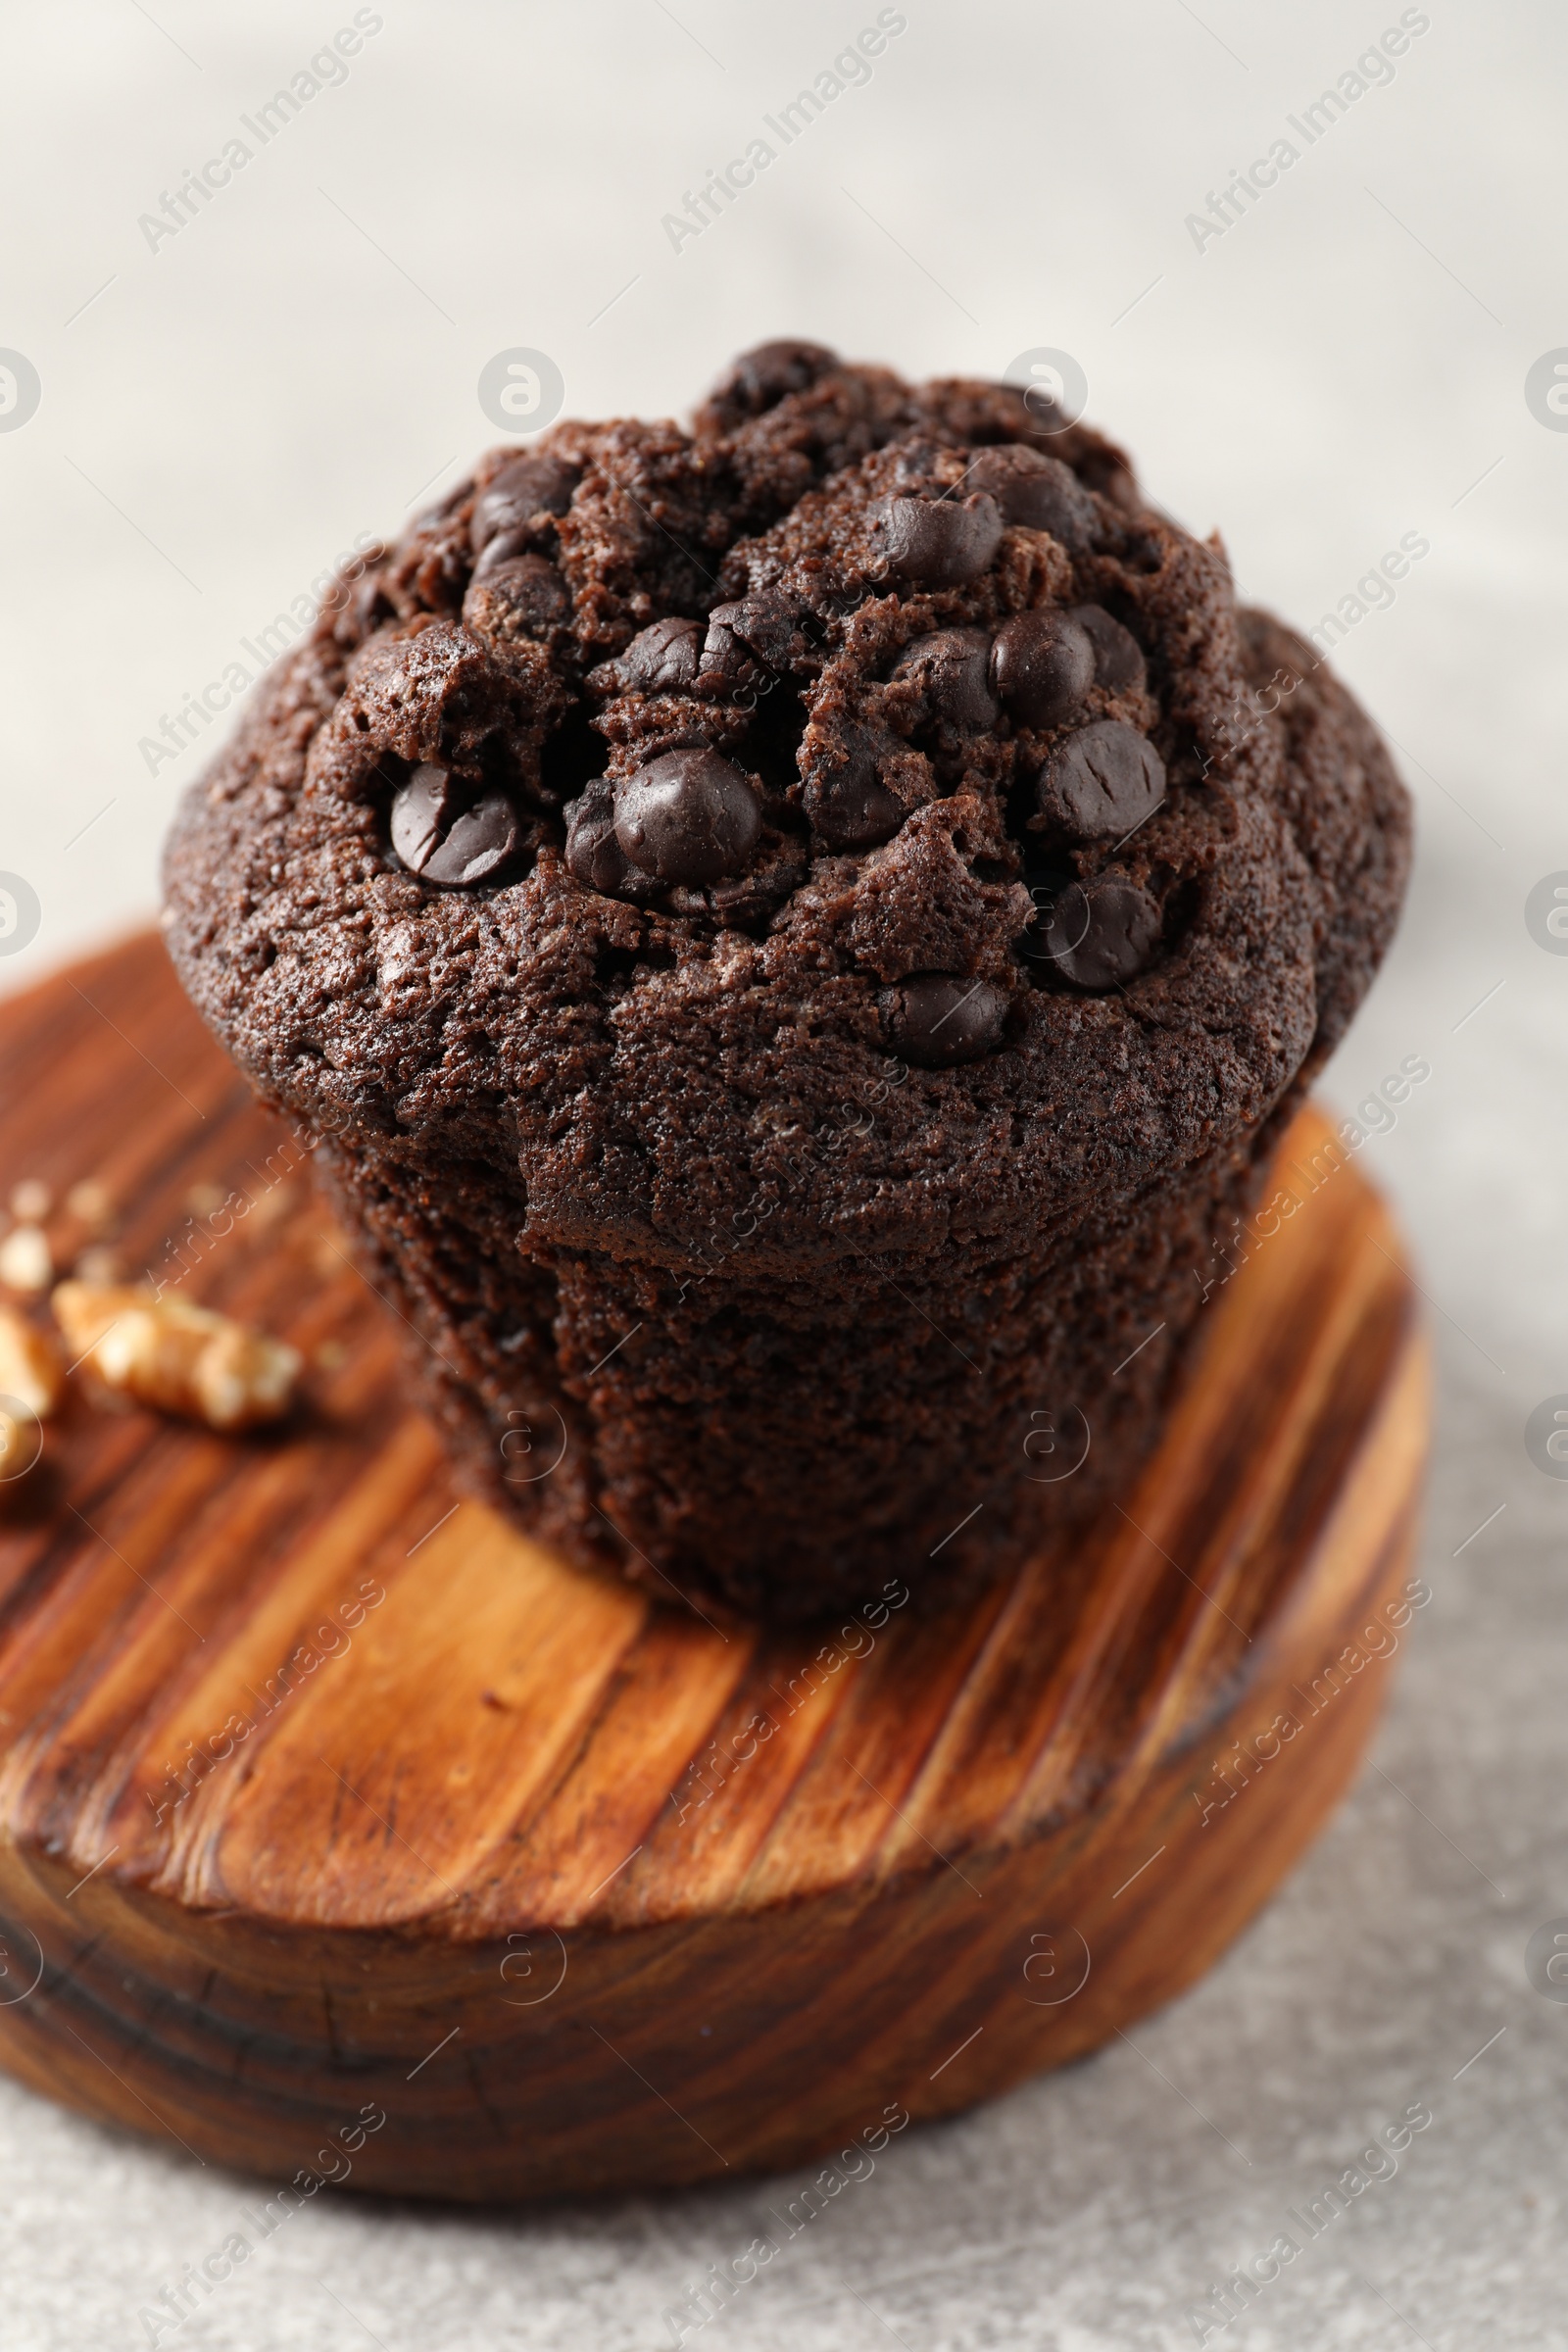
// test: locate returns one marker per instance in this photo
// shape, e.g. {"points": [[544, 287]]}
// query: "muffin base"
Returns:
{"points": [[782, 1449]]}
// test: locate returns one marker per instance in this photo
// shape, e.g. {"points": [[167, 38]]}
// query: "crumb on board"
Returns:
{"points": [[26, 1259]]}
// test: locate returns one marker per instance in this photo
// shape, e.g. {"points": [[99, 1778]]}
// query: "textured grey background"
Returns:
{"points": [[1344, 364]]}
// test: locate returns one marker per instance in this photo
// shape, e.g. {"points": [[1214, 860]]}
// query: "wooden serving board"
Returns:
{"points": [[575, 1890]]}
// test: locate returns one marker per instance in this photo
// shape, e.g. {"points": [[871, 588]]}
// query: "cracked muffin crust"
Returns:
{"points": [[795, 937]]}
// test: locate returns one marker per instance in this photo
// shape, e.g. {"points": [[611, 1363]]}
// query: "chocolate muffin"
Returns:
{"points": [[797, 939]]}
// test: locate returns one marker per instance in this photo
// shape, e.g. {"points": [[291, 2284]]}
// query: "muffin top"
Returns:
{"points": [[858, 815]]}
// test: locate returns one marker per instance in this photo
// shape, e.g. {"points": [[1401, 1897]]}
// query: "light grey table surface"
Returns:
{"points": [[223, 409]]}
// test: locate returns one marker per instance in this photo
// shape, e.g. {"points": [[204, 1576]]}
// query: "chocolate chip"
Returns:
{"points": [[1118, 656], [937, 1019], [847, 802], [442, 835], [663, 658], [951, 668], [1043, 664], [536, 484], [758, 379], [860, 816], [771, 627], [504, 547], [422, 811], [726, 658], [1098, 932], [479, 844], [1037, 492], [937, 540], [688, 816], [1105, 779], [526, 597], [593, 853]]}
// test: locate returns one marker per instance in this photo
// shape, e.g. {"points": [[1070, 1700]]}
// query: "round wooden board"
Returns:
{"points": [[576, 1892]]}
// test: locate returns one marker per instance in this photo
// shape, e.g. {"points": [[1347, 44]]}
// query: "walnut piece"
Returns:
{"points": [[177, 1358], [32, 1374]]}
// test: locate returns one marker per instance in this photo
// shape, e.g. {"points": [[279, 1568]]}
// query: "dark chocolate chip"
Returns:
{"points": [[758, 379], [526, 597], [1098, 932], [951, 668], [663, 658], [1037, 492], [1118, 656], [1105, 779], [771, 626], [939, 541], [726, 658], [422, 811], [1043, 664], [479, 844], [503, 547], [937, 1019], [440, 836], [847, 803], [688, 816], [536, 484], [593, 853]]}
